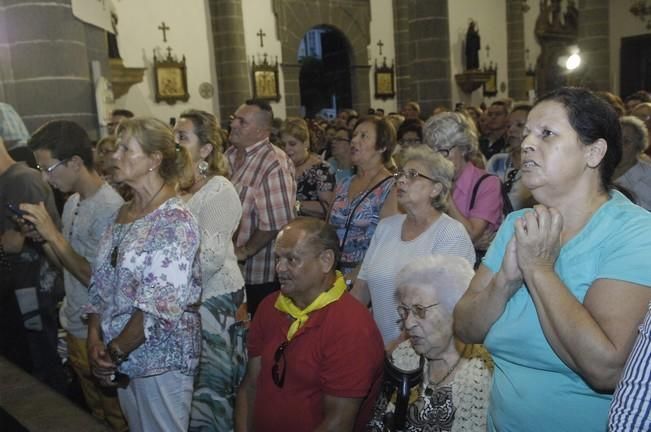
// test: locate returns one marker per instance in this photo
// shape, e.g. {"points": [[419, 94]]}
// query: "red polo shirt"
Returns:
{"points": [[339, 352]]}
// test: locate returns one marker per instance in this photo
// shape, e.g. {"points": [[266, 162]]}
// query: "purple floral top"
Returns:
{"points": [[158, 272]]}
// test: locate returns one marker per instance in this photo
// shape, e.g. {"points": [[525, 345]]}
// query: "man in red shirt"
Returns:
{"points": [[315, 353]]}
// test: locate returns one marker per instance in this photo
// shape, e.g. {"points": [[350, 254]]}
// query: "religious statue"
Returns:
{"points": [[473, 45]]}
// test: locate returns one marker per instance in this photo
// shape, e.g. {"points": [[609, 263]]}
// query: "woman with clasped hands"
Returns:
{"points": [[564, 286], [143, 320]]}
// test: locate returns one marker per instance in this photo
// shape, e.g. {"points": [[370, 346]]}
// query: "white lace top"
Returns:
{"points": [[218, 211]]}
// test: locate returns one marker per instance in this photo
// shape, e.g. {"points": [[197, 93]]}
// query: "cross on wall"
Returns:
{"points": [[164, 28], [261, 35], [380, 45]]}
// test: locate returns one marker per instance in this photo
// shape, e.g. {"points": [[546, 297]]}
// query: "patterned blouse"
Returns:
{"points": [[315, 179], [362, 223], [460, 406], [157, 272]]}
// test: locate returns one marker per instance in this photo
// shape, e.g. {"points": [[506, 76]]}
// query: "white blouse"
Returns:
{"points": [[218, 211]]}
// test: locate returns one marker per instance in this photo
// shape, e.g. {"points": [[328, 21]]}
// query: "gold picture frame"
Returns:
{"points": [[265, 80], [490, 85], [384, 81], [170, 78]]}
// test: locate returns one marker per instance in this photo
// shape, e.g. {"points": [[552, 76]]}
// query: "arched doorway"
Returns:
{"points": [[324, 55]]}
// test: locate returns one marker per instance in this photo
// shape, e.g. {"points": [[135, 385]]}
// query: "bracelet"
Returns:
{"points": [[117, 355]]}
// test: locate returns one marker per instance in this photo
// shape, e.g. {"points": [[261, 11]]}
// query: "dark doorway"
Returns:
{"points": [[325, 77], [635, 64]]}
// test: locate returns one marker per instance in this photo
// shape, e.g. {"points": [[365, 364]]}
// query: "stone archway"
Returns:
{"points": [[351, 17]]}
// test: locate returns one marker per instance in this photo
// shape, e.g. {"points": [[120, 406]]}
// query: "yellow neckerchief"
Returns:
{"points": [[285, 304]]}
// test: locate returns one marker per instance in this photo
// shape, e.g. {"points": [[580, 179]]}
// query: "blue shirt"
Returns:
{"points": [[533, 389]]}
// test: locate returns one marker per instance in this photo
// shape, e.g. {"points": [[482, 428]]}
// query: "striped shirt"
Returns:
{"points": [[631, 407], [267, 188]]}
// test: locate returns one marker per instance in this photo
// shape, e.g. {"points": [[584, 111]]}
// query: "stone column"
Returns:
{"points": [[429, 51], [515, 49], [46, 62], [230, 55], [401, 41], [594, 43]]}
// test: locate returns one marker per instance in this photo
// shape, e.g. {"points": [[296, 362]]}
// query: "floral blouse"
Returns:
{"points": [[158, 272], [315, 179], [363, 221]]}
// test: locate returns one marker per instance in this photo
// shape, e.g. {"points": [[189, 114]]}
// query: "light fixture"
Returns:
{"points": [[641, 10], [571, 61]]}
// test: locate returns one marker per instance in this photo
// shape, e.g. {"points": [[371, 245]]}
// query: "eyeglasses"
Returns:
{"points": [[510, 179], [412, 174], [445, 152], [278, 373], [51, 169], [419, 311], [410, 142]]}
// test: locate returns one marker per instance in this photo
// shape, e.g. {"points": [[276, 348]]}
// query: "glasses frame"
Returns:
{"points": [[278, 374], [411, 174], [51, 169], [419, 311], [445, 152]]}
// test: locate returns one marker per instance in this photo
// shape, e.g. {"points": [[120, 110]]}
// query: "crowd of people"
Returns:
{"points": [[477, 269]]}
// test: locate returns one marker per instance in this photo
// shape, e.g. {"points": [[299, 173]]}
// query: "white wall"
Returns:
{"points": [[490, 17], [381, 29], [622, 24], [258, 14], [189, 35]]}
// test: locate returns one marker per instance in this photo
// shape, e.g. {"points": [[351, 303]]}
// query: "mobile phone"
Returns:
{"points": [[19, 213], [15, 210]]}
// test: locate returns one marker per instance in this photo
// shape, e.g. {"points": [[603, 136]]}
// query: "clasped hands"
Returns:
{"points": [[535, 245], [101, 364]]}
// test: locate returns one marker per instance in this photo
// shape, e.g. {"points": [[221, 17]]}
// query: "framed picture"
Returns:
{"points": [[490, 85], [384, 81], [171, 79], [265, 80]]}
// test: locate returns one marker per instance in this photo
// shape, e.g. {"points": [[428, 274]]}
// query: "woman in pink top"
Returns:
{"points": [[454, 136]]}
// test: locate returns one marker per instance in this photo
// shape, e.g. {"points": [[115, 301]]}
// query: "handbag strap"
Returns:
{"points": [[352, 213]]}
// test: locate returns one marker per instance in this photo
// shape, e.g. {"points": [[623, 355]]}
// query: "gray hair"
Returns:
{"points": [[449, 129], [448, 276], [635, 132], [438, 168]]}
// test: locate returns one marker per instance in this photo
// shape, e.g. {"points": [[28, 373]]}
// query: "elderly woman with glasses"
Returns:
{"points": [[422, 189], [340, 162], [476, 197], [454, 383]]}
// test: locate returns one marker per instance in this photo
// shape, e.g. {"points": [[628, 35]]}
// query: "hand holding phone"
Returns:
{"points": [[20, 214]]}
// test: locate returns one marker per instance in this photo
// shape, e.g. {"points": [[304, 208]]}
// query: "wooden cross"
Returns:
{"points": [[163, 27], [380, 45], [261, 35], [488, 51]]}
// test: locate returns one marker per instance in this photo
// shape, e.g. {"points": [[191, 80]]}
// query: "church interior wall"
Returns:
{"points": [[381, 30], [258, 15], [189, 35], [622, 24], [490, 17]]}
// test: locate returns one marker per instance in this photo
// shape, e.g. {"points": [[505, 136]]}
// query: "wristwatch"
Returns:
{"points": [[117, 355]]}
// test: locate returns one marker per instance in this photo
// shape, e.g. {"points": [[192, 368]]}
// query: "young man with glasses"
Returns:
{"points": [[65, 157], [315, 354]]}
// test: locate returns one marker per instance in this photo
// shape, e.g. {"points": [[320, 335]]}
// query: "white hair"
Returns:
{"points": [[447, 276]]}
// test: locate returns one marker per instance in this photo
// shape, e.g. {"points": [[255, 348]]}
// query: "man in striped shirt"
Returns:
{"points": [[264, 178], [631, 407]]}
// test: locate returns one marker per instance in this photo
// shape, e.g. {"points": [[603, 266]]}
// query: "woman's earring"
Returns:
{"points": [[203, 168]]}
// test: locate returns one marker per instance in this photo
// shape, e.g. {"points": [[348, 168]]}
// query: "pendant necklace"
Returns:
{"points": [[115, 252]]}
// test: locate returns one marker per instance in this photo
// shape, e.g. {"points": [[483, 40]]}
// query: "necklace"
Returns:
{"points": [[74, 218], [303, 162], [116, 249], [446, 376]]}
